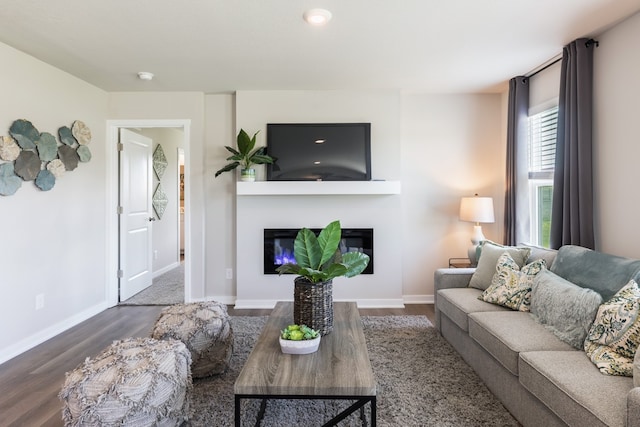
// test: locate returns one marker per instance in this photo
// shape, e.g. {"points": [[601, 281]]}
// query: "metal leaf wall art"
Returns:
{"points": [[28, 155]]}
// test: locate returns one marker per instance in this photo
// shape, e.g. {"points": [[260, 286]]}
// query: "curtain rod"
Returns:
{"points": [[596, 43], [554, 61]]}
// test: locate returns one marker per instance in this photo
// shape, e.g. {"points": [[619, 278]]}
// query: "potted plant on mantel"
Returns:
{"points": [[318, 262], [246, 157]]}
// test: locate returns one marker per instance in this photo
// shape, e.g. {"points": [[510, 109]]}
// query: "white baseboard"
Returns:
{"points": [[165, 269], [418, 299], [379, 303], [222, 299], [30, 342]]}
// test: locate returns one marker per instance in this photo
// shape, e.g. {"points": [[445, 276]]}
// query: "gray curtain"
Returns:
{"points": [[516, 203], [572, 209]]}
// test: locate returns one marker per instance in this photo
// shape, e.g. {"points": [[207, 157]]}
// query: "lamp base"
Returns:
{"points": [[476, 239]]}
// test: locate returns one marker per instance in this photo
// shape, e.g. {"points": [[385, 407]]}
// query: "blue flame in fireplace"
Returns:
{"points": [[285, 257], [283, 251]]}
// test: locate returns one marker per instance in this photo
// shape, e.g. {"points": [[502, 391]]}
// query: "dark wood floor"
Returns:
{"points": [[29, 383]]}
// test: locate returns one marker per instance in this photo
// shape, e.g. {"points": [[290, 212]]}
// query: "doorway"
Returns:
{"points": [[180, 202]]}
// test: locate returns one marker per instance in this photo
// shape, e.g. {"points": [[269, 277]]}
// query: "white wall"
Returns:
{"points": [[544, 89], [177, 106], [220, 199], [53, 242], [617, 139], [442, 147], [452, 146], [166, 229], [254, 109]]}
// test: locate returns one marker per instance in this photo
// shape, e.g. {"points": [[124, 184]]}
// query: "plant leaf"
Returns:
{"points": [[335, 270], [246, 144], [233, 150], [229, 167], [261, 159], [355, 263], [306, 249], [329, 239], [288, 268], [315, 276]]}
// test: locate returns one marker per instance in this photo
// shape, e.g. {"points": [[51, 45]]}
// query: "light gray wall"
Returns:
{"points": [[452, 146], [166, 230], [177, 106], [220, 199], [53, 242], [617, 139], [254, 109], [544, 89]]}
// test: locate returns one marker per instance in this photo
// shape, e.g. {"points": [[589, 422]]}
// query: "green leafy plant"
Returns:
{"points": [[245, 155], [299, 333], [318, 259]]}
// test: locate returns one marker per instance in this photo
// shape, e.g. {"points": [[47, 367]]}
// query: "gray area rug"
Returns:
{"points": [[166, 289], [421, 381]]}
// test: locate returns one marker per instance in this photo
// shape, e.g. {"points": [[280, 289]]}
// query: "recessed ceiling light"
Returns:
{"points": [[320, 141], [317, 162], [317, 17], [145, 75]]}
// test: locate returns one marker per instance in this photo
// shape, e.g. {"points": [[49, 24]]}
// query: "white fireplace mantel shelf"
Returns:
{"points": [[310, 188]]}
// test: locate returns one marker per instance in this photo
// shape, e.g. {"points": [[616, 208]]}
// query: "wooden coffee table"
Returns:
{"points": [[340, 369]]}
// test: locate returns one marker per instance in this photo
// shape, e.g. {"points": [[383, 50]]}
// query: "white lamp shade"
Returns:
{"points": [[477, 209]]}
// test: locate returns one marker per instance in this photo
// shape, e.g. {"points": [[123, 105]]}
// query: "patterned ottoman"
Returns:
{"points": [[205, 329], [133, 382]]}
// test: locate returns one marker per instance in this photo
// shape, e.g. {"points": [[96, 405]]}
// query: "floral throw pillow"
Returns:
{"points": [[511, 286], [615, 334]]}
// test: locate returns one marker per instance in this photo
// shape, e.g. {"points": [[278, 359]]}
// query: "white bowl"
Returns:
{"points": [[300, 347]]}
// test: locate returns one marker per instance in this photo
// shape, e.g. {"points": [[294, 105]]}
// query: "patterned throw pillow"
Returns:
{"points": [[481, 278], [510, 286], [615, 334]]}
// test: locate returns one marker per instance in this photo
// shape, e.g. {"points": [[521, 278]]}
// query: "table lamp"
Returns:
{"points": [[476, 209]]}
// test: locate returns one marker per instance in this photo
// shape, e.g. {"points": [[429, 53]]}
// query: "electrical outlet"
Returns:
{"points": [[155, 254], [229, 273], [39, 301]]}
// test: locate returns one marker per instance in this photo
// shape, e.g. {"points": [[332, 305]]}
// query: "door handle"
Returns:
{"points": [[151, 219]]}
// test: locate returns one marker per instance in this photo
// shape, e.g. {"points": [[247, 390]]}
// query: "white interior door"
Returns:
{"points": [[136, 216]]}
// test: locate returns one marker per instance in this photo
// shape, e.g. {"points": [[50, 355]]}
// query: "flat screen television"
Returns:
{"points": [[319, 151]]}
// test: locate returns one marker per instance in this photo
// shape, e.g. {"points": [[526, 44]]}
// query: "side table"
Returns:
{"points": [[460, 263]]}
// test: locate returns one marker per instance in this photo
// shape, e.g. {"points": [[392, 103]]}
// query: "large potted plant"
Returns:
{"points": [[245, 156], [318, 261]]}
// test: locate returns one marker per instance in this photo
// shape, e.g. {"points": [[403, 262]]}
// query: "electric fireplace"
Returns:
{"points": [[278, 245]]}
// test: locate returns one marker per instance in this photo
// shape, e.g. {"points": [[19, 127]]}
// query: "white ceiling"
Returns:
{"points": [[226, 45]]}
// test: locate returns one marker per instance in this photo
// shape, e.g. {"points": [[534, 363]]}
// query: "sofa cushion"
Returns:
{"points": [[615, 334], [569, 384], [566, 309], [538, 252], [510, 286], [457, 303], [490, 252], [506, 334], [604, 273]]}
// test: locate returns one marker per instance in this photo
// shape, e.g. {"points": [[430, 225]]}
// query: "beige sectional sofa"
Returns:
{"points": [[540, 379]]}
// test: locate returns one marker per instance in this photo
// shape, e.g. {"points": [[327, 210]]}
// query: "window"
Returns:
{"points": [[542, 157]]}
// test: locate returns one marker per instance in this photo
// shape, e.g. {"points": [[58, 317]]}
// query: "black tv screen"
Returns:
{"points": [[319, 151]]}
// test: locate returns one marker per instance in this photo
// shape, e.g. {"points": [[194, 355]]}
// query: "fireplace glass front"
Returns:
{"points": [[278, 245]]}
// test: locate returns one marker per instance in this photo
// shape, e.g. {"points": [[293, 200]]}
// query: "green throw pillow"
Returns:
{"points": [[615, 334], [488, 261], [510, 286]]}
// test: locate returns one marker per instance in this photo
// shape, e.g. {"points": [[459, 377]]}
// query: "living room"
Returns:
{"points": [[440, 146]]}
